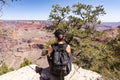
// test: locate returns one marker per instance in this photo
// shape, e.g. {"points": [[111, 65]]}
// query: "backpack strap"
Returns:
{"points": [[54, 46], [57, 47]]}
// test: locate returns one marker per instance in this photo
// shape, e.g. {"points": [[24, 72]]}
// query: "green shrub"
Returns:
{"points": [[4, 69], [48, 43], [25, 63]]}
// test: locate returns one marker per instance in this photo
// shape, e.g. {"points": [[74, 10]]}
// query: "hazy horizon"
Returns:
{"points": [[49, 20]]}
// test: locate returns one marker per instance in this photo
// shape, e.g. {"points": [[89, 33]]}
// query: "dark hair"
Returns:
{"points": [[59, 34]]}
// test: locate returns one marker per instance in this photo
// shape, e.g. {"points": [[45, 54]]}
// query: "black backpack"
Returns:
{"points": [[61, 61]]}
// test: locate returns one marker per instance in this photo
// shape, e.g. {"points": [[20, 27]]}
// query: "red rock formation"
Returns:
{"points": [[111, 32]]}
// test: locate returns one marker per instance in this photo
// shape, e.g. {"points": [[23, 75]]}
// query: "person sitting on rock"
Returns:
{"points": [[59, 55]]}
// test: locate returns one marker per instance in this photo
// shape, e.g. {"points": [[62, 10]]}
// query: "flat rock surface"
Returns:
{"points": [[33, 72]]}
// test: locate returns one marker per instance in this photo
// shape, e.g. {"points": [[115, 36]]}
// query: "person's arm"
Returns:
{"points": [[50, 49], [68, 49]]}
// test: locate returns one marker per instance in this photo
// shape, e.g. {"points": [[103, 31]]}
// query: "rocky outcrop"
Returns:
{"points": [[113, 32], [33, 72]]}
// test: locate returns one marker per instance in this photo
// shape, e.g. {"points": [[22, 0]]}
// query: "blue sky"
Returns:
{"points": [[40, 9]]}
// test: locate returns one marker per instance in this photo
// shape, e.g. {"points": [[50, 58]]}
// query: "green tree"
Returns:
{"points": [[83, 16], [79, 24], [3, 2], [86, 16]]}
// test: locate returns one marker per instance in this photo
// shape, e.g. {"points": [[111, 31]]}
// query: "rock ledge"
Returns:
{"points": [[33, 72]]}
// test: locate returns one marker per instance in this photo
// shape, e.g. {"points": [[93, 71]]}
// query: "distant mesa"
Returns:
{"points": [[38, 24], [25, 24]]}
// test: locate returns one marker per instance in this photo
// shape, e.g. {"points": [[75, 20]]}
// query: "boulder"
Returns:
{"points": [[33, 72]]}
